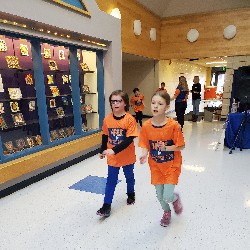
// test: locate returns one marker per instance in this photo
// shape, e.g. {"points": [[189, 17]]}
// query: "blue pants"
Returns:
{"points": [[113, 178], [196, 104]]}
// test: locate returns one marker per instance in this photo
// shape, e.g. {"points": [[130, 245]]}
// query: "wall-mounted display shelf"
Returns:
{"points": [[44, 98]]}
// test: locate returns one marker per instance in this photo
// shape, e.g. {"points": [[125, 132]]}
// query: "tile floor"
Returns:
{"points": [[59, 212]]}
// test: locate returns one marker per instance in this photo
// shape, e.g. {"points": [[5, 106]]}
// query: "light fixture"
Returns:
{"points": [[192, 35], [152, 34], [137, 27], [229, 32], [222, 62], [116, 13]]}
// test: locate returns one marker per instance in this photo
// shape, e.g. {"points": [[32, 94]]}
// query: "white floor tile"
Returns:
{"points": [[214, 186]]}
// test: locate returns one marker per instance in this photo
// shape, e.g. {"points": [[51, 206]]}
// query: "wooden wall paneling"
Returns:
{"points": [[14, 169], [130, 11], [211, 41], [139, 45]]}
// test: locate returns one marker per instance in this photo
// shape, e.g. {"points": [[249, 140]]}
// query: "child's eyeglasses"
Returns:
{"points": [[115, 101]]}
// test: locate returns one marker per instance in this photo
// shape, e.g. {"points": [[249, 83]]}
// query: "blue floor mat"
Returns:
{"points": [[92, 184]]}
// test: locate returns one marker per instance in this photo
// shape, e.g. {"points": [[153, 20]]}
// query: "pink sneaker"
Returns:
{"points": [[166, 218], [178, 208]]}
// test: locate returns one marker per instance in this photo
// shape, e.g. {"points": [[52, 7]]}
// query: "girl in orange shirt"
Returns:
{"points": [[119, 130], [161, 140]]}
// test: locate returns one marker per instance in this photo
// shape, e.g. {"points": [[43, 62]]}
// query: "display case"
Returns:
{"points": [[19, 126], [67, 117], [44, 99], [58, 90], [88, 90]]}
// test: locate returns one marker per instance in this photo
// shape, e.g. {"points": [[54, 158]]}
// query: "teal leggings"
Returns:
{"points": [[165, 195]]}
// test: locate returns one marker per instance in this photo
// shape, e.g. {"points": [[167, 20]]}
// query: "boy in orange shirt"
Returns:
{"points": [[119, 130], [161, 140], [162, 88], [137, 101]]}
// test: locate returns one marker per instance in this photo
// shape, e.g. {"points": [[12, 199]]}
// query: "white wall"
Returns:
{"points": [[147, 76], [169, 72], [99, 25], [142, 75]]}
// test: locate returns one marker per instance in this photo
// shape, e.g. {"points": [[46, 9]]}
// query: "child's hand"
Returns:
{"points": [[161, 145], [101, 156], [143, 159], [108, 152]]}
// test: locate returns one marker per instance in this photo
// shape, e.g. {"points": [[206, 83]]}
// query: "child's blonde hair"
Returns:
{"points": [[183, 83]]}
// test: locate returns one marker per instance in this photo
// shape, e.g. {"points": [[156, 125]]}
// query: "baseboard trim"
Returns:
{"points": [[47, 173]]}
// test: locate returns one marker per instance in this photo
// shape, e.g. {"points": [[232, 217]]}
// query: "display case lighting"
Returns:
{"points": [[48, 31]]}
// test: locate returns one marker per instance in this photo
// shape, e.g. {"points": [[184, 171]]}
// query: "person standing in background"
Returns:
{"points": [[180, 97], [162, 88], [137, 102], [196, 98]]}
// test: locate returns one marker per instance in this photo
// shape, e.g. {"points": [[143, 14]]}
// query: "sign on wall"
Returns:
{"points": [[75, 5]]}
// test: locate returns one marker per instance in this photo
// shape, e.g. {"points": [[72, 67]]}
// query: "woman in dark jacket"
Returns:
{"points": [[180, 97]]}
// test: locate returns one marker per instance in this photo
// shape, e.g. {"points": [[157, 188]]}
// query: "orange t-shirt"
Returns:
{"points": [[165, 166], [137, 102], [161, 90], [117, 131]]}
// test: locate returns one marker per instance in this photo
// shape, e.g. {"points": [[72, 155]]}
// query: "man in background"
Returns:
{"points": [[196, 97]]}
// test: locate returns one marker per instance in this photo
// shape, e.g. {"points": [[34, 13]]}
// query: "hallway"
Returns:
{"points": [[59, 212]]}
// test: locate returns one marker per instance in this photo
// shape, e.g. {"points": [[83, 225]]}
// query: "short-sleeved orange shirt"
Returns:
{"points": [[165, 166], [161, 90], [117, 131], [137, 102]]}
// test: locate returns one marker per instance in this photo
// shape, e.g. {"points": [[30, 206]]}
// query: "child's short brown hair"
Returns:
{"points": [[123, 95]]}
